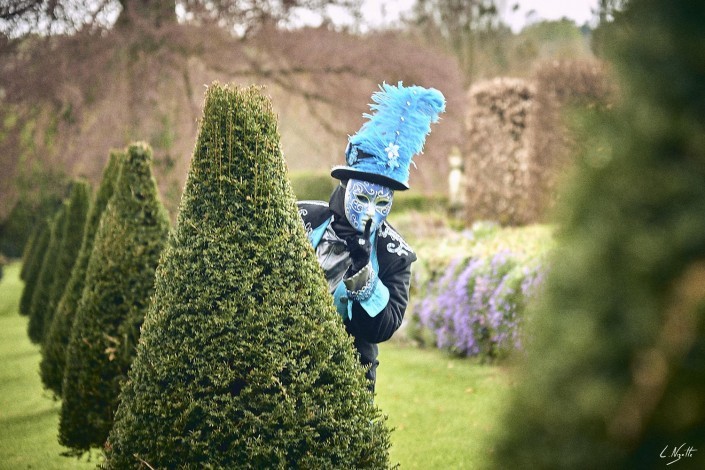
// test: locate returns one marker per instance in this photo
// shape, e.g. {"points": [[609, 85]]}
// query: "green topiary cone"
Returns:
{"points": [[34, 267], [27, 253], [78, 203], [118, 285], [243, 362], [56, 340], [41, 297]]}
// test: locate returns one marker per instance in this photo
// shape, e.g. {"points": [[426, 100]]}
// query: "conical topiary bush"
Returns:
{"points": [[56, 340], [78, 204], [243, 362], [27, 251], [34, 266], [119, 283], [41, 298], [615, 377]]}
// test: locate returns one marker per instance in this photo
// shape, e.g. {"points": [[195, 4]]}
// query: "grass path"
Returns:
{"points": [[28, 415], [440, 407]]}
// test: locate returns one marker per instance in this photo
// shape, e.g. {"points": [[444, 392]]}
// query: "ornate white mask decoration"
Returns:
{"points": [[365, 200]]}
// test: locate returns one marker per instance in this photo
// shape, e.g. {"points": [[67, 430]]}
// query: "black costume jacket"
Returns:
{"points": [[392, 259]]}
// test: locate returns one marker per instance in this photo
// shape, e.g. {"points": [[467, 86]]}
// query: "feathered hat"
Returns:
{"points": [[381, 151]]}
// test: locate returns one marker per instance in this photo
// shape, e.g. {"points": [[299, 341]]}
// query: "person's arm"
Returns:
{"points": [[375, 325]]}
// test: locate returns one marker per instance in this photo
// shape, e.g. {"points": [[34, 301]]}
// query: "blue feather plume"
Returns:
{"points": [[397, 128]]}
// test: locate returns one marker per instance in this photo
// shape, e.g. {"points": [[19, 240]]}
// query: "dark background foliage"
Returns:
{"points": [[616, 365]]}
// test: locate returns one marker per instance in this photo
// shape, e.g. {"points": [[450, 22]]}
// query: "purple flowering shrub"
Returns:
{"points": [[475, 307]]}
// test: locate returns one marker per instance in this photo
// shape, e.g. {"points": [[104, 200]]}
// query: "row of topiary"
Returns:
{"points": [[231, 355], [89, 273]]}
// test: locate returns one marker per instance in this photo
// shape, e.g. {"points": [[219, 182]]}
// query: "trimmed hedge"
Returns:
{"points": [[77, 210], [27, 253], [615, 373], [411, 201], [56, 340], [41, 298], [119, 283], [318, 186], [34, 266], [312, 185], [243, 361]]}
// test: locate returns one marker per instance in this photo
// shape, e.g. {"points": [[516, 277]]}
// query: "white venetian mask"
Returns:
{"points": [[365, 200]]}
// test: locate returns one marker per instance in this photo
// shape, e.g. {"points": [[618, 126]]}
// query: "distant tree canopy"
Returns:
{"points": [[456, 25], [52, 17]]}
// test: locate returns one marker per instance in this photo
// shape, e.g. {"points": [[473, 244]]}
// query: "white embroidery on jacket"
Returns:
{"points": [[401, 248]]}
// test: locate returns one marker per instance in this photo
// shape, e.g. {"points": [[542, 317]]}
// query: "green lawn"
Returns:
{"points": [[441, 407], [28, 415]]}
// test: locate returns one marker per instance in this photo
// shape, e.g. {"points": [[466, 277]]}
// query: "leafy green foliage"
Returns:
{"points": [[243, 362], [118, 285], [68, 252], [34, 266], [57, 338], [41, 298], [616, 371]]}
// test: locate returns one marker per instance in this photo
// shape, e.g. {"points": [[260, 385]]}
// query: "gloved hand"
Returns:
{"points": [[360, 248]]}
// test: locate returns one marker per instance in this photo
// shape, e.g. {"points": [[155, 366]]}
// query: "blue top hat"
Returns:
{"points": [[381, 151]]}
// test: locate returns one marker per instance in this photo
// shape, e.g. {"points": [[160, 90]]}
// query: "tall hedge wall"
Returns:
{"points": [[243, 362]]}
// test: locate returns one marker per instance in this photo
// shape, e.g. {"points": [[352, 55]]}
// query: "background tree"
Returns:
{"points": [[41, 297], [607, 9], [34, 267], [87, 92], [615, 373], [606, 12], [56, 341], [71, 240], [460, 26], [61, 16], [51, 17], [119, 283], [39, 192], [243, 361]]}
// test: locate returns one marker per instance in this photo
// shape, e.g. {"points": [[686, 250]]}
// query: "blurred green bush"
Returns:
{"points": [[312, 185], [412, 200]]}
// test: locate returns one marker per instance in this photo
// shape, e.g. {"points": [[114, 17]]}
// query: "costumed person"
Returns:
{"points": [[366, 262]]}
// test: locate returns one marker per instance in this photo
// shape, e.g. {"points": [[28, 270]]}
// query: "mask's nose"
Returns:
{"points": [[370, 210]]}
